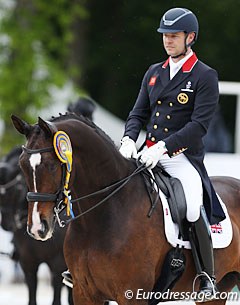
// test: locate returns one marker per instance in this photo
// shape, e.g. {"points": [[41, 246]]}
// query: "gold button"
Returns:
{"points": [[166, 129], [155, 126], [153, 139], [170, 104], [168, 117], [159, 102], [157, 113]]}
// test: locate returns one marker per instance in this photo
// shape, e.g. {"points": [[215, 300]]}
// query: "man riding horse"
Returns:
{"points": [[177, 101]]}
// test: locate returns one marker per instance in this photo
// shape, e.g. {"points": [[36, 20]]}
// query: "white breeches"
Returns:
{"points": [[181, 168]]}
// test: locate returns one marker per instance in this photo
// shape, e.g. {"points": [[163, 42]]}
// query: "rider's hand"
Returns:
{"points": [[152, 155], [128, 148]]}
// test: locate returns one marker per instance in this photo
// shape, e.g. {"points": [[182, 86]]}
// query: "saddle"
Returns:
{"points": [[174, 193], [174, 263]]}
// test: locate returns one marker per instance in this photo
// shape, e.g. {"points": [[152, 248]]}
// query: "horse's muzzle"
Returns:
{"points": [[41, 233]]}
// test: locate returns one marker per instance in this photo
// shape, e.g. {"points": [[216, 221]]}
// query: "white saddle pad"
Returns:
{"points": [[221, 233]]}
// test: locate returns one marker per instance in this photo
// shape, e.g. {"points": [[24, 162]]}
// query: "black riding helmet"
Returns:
{"points": [[179, 20]]}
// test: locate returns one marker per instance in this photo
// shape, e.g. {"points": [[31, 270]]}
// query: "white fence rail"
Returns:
{"points": [[233, 88]]}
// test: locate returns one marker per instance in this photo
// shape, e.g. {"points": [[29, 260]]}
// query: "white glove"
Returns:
{"points": [[152, 155], [128, 148]]}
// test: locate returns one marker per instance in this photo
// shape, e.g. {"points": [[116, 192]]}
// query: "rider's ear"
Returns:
{"points": [[21, 126], [48, 128]]}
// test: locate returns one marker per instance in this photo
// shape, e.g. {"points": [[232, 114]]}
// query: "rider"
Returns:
{"points": [[177, 101]]}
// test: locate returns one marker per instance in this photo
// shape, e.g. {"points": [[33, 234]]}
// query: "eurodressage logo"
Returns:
{"points": [[140, 294], [182, 98]]}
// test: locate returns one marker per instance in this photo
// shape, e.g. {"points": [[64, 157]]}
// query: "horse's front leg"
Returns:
{"points": [[31, 281], [57, 287], [70, 297]]}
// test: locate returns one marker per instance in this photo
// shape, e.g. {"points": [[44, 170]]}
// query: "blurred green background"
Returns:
{"points": [[103, 48]]}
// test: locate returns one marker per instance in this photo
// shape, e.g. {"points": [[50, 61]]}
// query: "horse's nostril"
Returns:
{"points": [[44, 229], [29, 231]]}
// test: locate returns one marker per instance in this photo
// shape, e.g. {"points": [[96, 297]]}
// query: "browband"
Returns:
{"points": [[36, 151]]}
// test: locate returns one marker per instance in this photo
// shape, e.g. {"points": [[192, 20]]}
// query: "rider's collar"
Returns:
{"points": [[187, 65]]}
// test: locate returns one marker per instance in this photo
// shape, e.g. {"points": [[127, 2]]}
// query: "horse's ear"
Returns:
{"points": [[48, 128], [21, 126]]}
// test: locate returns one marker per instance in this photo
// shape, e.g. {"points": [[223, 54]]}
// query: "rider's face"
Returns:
{"points": [[174, 43]]}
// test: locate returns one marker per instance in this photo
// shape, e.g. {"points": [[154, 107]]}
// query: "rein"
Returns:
{"points": [[121, 183]]}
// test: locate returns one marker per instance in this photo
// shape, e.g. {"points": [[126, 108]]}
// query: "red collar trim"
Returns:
{"points": [[187, 66], [190, 63], [164, 66]]}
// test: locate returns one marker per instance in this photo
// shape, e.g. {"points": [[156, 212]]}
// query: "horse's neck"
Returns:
{"points": [[94, 178], [98, 165]]}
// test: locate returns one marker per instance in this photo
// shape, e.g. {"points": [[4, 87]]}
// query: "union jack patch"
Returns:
{"points": [[152, 81], [217, 228]]}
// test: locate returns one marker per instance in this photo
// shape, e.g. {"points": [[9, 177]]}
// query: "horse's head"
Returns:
{"points": [[12, 191], [43, 175], [47, 162]]}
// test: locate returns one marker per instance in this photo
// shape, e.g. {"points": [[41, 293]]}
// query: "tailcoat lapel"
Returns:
{"points": [[182, 74]]}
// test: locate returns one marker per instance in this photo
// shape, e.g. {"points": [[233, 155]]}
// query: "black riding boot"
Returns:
{"points": [[67, 278], [202, 249]]}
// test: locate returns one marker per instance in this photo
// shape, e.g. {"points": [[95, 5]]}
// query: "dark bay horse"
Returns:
{"points": [[111, 246], [29, 252]]}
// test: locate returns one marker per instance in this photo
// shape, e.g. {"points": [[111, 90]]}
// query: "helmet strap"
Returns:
{"points": [[185, 47]]}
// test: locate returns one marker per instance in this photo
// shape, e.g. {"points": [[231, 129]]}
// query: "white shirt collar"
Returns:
{"points": [[176, 66]]}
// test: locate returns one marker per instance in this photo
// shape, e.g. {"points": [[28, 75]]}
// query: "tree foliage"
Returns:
{"points": [[36, 51]]}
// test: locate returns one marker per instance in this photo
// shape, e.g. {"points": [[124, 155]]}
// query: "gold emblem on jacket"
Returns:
{"points": [[182, 98]]}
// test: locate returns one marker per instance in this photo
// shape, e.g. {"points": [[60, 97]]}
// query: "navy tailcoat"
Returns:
{"points": [[179, 111]]}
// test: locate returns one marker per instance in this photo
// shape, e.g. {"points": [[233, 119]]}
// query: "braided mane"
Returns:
{"points": [[81, 118]]}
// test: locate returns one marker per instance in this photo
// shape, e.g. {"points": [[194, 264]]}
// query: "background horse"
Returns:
{"points": [[113, 247], [29, 252]]}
